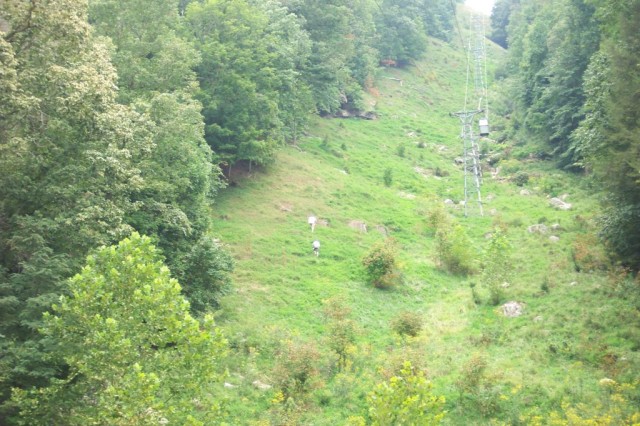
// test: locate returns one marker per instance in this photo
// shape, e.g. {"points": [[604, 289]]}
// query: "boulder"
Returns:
{"points": [[538, 229], [559, 204], [358, 225], [369, 115], [259, 385], [383, 230], [512, 309]]}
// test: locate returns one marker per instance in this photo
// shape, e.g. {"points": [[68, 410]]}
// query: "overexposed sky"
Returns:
{"points": [[481, 6]]}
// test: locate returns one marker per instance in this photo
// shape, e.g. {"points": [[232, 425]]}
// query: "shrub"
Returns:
{"points": [[400, 150], [342, 330], [478, 389], [438, 218], [407, 324], [510, 166], [208, 269], [454, 251], [545, 287], [550, 185], [405, 399], [474, 294], [588, 254], [618, 407], [380, 265], [296, 367], [441, 173], [387, 177], [521, 178]]}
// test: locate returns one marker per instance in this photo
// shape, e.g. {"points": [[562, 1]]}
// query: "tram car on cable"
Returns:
{"points": [[484, 127]]}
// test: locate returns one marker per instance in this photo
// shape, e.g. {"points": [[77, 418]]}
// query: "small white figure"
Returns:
{"points": [[312, 221], [316, 248]]}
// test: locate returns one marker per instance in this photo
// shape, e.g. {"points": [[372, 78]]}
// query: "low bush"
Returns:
{"points": [[454, 250], [406, 399], [380, 265], [297, 365], [387, 178], [521, 178], [588, 254], [407, 324]]}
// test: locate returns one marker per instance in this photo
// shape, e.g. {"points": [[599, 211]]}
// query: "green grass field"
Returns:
{"points": [[574, 332]]}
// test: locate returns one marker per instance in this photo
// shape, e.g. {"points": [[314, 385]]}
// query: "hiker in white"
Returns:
{"points": [[312, 221], [316, 247]]}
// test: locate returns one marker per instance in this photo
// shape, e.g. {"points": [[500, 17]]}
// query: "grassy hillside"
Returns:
{"points": [[574, 331]]}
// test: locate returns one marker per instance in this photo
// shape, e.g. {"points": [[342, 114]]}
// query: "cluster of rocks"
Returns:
{"points": [[541, 228]]}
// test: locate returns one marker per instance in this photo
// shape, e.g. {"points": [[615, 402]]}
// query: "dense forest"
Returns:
{"points": [[122, 122], [574, 86]]}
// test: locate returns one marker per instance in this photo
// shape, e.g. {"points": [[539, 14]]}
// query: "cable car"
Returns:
{"points": [[484, 127]]}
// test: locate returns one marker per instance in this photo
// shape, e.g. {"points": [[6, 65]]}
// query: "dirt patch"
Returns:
{"points": [[423, 172], [406, 195], [253, 287], [383, 230], [358, 225], [285, 207]]}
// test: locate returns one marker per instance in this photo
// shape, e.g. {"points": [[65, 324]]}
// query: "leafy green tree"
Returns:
{"points": [[290, 46], [572, 41], [155, 69], [401, 35], [330, 25], [252, 93], [134, 353], [438, 17], [609, 134], [407, 399], [151, 57], [207, 266], [67, 155], [500, 21]]}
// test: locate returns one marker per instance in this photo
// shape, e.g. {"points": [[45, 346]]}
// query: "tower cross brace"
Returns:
{"points": [[471, 156]]}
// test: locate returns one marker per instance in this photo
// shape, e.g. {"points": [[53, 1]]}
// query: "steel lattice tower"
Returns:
{"points": [[471, 157], [471, 149]]}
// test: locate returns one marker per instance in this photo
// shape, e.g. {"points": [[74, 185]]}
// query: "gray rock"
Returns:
{"points": [[512, 309], [537, 229], [559, 204], [259, 385], [358, 225]]}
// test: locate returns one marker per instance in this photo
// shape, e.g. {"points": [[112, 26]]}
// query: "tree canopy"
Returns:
{"points": [[134, 354]]}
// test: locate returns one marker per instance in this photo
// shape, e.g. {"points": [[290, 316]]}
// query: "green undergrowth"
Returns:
{"points": [[575, 328]]}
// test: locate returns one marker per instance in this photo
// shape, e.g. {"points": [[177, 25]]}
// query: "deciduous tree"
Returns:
{"points": [[134, 353]]}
